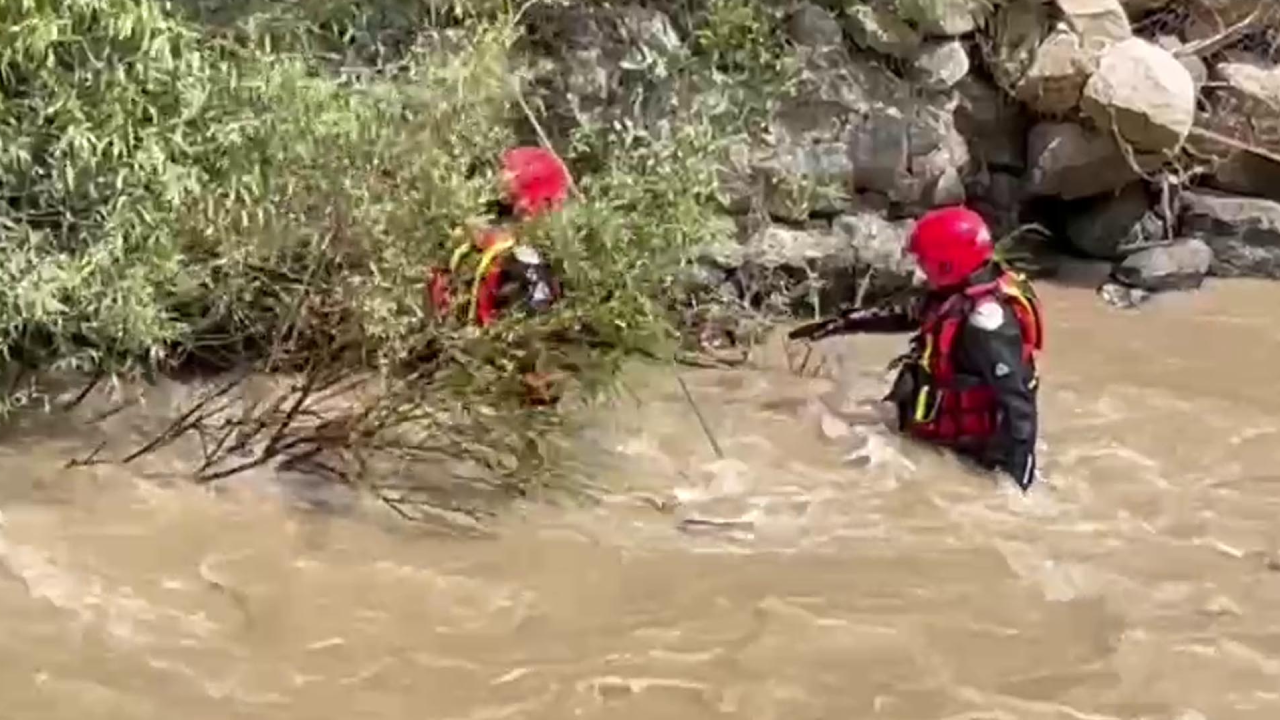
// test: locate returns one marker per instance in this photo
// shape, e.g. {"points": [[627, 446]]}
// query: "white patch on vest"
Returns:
{"points": [[1002, 370], [987, 316], [526, 255]]}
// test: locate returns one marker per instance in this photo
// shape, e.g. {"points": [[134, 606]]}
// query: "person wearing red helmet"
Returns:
{"points": [[507, 273], [969, 380]]}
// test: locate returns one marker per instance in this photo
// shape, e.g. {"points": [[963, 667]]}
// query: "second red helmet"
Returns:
{"points": [[536, 180], [950, 244]]}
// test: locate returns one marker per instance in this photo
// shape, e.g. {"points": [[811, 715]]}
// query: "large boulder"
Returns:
{"points": [[1070, 162], [1243, 232], [1181, 265], [1111, 227], [1143, 94], [1244, 106]]}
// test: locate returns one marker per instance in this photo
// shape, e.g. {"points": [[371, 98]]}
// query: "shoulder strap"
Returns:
{"points": [[1015, 288], [482, 268]]}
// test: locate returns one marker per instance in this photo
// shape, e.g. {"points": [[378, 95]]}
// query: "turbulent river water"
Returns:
{"points": [[821, 569]]}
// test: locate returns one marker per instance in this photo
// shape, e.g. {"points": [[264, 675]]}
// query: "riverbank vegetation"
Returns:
{"points": [[221, 185]]}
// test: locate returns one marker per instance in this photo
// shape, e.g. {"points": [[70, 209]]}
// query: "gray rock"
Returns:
{"points": [[1057, 75], [946, 18], [1046, 64], [939, 66], [849, 126], [1243, 232], [776, 246], [724, 254], [815, 27], [939, 161], [1208, 18], [601, 65], [1247, 174], [1122, 296], [1178, 266], [877, 242], [994, 125], [793, 181], [878, 28], [1243, 106], [1013, 38], [1099, 23], [947, 189], [998, 196], [788, 268], [1110, 228], [880, 144], [1069, 161]]}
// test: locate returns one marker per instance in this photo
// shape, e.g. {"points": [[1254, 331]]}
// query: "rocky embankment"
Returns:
{"points": [[1144, 133]]}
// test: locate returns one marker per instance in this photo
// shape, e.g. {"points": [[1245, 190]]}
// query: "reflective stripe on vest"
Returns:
{"points": [[486, 261]]}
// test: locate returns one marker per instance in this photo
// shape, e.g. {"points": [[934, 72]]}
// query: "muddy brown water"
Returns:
{"points": [[822, 569]]}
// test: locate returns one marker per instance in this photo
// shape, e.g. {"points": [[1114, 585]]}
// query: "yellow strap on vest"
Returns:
{"points": [[482, 268], [923, 413], [927, 355], [1014, 290]]}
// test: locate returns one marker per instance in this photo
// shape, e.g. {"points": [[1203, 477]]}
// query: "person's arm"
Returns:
{"points": [[992, 343], [899, 319]]}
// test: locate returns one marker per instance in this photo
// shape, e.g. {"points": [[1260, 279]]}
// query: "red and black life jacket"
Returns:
{"points": [[501, 264], [955, 409]]}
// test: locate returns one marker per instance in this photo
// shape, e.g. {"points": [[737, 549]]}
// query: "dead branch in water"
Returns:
{"points": [[1205, 134], [1224, 37], [185, 422]]}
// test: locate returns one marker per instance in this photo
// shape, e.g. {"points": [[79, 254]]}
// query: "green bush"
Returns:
{"points": [[212, 184]]}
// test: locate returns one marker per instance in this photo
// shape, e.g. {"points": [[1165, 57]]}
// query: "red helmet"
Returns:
{"points": [[950, 244], [535, 180]]}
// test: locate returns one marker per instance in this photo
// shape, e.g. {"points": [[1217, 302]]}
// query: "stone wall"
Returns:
{"points": [[1145, 133]]}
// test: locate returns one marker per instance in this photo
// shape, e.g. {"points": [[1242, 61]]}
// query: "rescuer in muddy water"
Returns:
{"points": [[492, 273], [507, 274], [969, 380]]}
